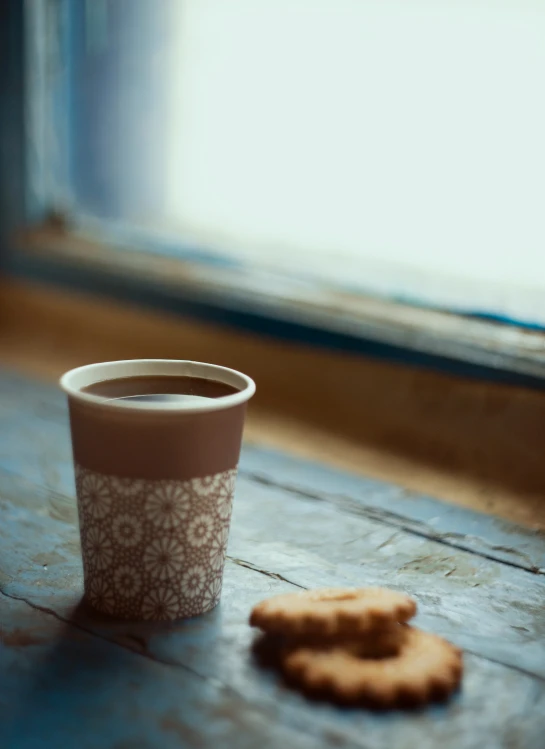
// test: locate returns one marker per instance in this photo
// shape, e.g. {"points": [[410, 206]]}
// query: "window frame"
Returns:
{"points": [[37, 244]]}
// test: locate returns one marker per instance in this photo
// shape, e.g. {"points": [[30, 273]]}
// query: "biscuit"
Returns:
{"points": [[332, 611], [426, 669], [376, 643], [270, 649]]}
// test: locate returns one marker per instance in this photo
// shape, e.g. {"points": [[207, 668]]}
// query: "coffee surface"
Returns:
{"points": [[160, 389]]}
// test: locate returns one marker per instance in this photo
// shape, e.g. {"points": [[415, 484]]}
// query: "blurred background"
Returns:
{"points": [[343, 198], [384, 147]]}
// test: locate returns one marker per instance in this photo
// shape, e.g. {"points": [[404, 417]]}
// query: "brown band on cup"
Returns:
{"points": [[153, 444]]}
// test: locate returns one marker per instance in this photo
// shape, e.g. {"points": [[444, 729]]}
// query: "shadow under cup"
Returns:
{"points": [[156, 445]]}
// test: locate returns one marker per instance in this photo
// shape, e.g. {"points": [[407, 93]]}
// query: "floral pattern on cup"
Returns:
{"points": [[153, 550]]}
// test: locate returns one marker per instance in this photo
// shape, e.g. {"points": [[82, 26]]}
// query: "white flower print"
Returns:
{"points": [[224, 534], [164, 558], [193, 581], [225, 498], [102, 596], [200, 530], [125, 488], [127, 581], [97, 548], [95, 496], [161, 603], [126, 530], [211, 594], [154, 549], [167, 504], [228, 483], [207, 486], [217, 549]]}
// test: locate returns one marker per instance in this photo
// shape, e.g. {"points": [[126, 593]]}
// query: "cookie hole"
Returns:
{"points": [[372, 654]]}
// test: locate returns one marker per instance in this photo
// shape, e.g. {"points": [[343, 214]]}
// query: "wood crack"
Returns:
{"points": [[136, 648], [254, 568], [401, 522], [140, 643]]}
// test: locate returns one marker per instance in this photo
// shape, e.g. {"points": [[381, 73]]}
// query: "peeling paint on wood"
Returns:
{"points": [[452, 525]]}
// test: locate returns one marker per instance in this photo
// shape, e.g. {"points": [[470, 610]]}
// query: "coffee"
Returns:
{"points": [[160, 389]]}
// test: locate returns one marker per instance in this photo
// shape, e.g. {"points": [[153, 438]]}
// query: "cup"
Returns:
{"points": [[154, 482]]}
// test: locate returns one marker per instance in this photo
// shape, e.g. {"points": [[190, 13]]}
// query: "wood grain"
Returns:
{"points": [[477, 444], [88, 681]]}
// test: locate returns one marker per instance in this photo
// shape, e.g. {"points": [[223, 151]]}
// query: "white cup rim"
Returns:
{"points": [[73, 381]]}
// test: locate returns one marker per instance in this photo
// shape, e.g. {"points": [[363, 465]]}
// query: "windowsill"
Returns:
{"points": [[443, 340], [472, 443]]}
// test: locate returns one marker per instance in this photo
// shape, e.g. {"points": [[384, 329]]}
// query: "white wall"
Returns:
{"points": [[406, 137], [390, 145]]}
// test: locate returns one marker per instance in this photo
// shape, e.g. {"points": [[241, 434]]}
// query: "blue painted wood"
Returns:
{"points": [[83, 691], [38, 411], [449, 524], [454, 588], [70, 689], [91, 682]]}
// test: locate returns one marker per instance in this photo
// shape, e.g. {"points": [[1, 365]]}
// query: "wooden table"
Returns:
{"points": [[72, 679]]}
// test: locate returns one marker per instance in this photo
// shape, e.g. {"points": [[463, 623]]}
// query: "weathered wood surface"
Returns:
{"points": [[69, 678]]}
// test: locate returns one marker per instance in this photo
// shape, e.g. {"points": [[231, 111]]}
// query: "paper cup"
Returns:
{"points": [[154, 485]]}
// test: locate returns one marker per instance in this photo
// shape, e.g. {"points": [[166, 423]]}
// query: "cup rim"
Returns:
{"points": [[74, 380]]}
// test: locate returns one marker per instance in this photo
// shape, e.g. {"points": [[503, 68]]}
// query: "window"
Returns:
{"points": [[362, 165]]}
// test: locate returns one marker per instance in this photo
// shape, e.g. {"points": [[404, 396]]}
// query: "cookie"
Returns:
{"points": [[332, 611], [426, 669], [270, 649], [377, 643]]}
